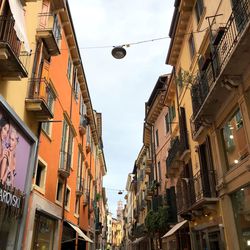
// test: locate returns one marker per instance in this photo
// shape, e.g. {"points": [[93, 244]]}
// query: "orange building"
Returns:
{"points": [[63, 211]]}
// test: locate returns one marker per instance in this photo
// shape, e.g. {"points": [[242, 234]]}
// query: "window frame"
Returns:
{"points": [[157, 138], [44, 165], [199, 8]]}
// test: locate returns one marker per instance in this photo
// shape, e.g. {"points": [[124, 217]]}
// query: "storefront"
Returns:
{"points": [[177, 238], [241, 206], [17, 154]]}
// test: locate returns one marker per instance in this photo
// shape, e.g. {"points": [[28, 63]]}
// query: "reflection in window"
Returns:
{"points": [[241, 207], [44, 233], [234, 139]]}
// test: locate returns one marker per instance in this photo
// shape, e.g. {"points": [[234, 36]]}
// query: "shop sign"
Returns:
{"points": [[11, 200]]}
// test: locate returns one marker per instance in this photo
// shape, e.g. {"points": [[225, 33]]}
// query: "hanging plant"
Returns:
{"points": [[98, 197]]}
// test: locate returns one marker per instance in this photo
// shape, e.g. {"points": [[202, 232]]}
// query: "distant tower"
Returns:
{"points": [[119, 210]]}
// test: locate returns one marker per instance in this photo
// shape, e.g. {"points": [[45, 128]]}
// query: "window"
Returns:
{"points": [[180, 78], [40, 175], [57, 29], [241, 206], [157, 137], [59, 192], [69, 70], [172, 112], [44, 230], [46, 126], [159, 170], [66, 147], [167, 122], [76, 86], [67, 198], [191, 46], [77, 205], [199, 6], [83, 110], [234, 139]]}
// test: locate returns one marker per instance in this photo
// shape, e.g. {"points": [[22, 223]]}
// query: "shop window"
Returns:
{"points": [[40, 175], [59, 192], [199, 6], [67, 198], [44, 230], [234, 139], [241, 207]]}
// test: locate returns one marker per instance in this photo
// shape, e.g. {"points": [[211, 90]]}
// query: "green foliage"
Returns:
{"points": [[97, 197], [157, 221]]}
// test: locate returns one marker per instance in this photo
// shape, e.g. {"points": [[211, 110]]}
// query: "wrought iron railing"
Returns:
{"points": [[183, 131], [172, 152], [204, 184], [234, 28], [79, 184], [65, 161]]}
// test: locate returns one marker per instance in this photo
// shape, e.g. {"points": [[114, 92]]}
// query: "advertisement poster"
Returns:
{"points": [[14, 153]]}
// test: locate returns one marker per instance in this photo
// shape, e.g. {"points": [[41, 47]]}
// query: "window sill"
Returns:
{"points": [[39, 189], [58, 203]]}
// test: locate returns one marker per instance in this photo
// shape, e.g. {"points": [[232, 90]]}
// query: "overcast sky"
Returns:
{"points": [[120, 88]]}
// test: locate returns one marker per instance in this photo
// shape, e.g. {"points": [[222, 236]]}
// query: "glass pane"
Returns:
{"points": [[45, 233], [241, 206], [234, 139]]}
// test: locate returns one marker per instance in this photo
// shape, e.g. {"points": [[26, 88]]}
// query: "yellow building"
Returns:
{"points": [[210, 56]]}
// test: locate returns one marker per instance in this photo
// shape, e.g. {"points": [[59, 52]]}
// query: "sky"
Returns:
{"points": [[120, 88]]}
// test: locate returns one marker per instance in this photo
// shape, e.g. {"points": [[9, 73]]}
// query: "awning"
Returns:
{"points": [[81, 233], [138, 240], [174, 229], [20, 27]]}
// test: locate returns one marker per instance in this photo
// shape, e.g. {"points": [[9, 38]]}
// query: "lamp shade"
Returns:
{"points": [[118, 52]]}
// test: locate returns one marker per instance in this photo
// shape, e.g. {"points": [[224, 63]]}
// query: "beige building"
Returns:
{"points": [[210, 56]]}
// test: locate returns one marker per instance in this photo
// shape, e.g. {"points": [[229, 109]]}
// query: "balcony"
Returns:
{"points": [[83, 125], [204, 187], [173, 153], [49, 32], [65, 162], [13, 61], [229, 61], [85, 197], [79, 186], [40, 98]]}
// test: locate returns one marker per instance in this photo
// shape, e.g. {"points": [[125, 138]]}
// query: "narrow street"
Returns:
{"points": [[124, 125]]}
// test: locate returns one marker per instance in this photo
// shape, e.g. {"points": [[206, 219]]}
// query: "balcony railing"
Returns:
{"points": [[15, 61], [40, 98], [50, 32], [204, 187], [65, 162], [236, 24], [79, 185], [172, 152], [183, 131]]}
